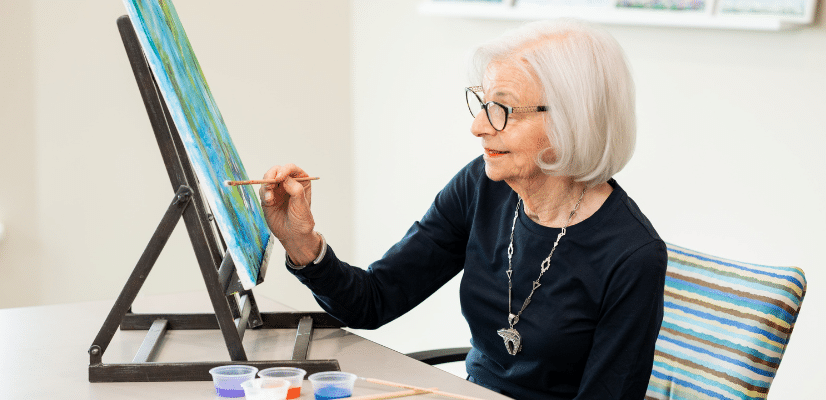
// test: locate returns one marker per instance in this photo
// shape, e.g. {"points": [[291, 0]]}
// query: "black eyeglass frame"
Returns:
{"points": [[508, 110]]}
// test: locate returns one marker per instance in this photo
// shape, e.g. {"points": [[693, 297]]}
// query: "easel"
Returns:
{"points": [[235, 308]]}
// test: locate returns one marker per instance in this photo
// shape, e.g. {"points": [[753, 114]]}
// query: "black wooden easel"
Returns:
{"points": [[235, 308]]}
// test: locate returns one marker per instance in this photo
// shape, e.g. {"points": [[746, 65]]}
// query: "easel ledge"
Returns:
{"points": [[142, 370]]}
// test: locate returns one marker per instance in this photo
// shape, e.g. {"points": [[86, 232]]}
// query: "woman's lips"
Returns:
{"points": [[495, 153]]}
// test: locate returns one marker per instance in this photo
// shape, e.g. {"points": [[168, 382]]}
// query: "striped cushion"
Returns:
{"points": [[725, 327]]}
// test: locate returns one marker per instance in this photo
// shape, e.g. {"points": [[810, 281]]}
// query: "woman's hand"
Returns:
{"points": [[287, 210]]}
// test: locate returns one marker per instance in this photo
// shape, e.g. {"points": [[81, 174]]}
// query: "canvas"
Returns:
{"points": [[211, 152]]}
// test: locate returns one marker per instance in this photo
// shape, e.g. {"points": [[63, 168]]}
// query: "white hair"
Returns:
{"points": [[586, 84]]}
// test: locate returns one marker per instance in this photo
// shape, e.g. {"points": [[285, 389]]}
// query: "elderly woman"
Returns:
{"points": [[563, 274]]}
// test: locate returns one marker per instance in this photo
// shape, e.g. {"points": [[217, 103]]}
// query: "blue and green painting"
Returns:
{"points": [[211, 152]]}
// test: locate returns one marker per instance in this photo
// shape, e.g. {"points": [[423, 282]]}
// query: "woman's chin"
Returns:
{"points": [[493, 173]]}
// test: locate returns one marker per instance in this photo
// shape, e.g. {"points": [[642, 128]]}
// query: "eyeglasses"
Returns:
{"points": [[497, 112]]}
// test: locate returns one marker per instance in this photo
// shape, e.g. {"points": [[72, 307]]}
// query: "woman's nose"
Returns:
{"points": [[481, 125]]}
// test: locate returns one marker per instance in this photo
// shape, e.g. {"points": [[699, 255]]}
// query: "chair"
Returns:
{"points": [[440, 356], [725, 328]]}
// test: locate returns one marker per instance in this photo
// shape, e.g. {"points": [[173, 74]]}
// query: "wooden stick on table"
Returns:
{"points": [[392, 395], [437, 392]]}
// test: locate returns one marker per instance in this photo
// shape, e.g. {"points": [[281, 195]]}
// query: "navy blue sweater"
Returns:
{"points": [[590, 329]]}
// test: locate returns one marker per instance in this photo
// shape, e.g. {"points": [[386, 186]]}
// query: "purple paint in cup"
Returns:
{"points": [[228, 378]]}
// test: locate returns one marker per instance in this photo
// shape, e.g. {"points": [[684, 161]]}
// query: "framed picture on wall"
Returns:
{"points": [[771, 15], [473, 1], [565, 3], [665, 5], [786, 9]]}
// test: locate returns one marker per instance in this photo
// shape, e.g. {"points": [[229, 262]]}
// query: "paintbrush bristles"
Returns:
{"points": [[267, 181]]}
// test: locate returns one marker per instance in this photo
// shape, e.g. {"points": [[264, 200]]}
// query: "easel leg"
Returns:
{"points": [[232, 332], [135, 282]]}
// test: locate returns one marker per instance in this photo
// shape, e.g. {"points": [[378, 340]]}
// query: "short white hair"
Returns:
{"points": [[586, 83]]}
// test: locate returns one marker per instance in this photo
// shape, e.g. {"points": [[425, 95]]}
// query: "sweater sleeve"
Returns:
{"points": [[428, 256], [622, 354]]}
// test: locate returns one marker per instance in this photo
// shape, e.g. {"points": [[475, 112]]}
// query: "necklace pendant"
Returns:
{"points": [[512, 319], [513, 341]]}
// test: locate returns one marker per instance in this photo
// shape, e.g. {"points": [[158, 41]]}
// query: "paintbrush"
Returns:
{"points": [[419, 389], [267, 181], [392, 395]]}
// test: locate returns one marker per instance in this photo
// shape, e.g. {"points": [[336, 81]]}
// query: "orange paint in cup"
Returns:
{"points": [[294, 375], [293, 392]]}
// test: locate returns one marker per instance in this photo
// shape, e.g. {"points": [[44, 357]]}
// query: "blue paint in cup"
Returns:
{"points": [[332, 385], [332, 392]]}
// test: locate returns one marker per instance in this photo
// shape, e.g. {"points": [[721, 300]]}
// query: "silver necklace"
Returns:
{"points": [[513, 341]]}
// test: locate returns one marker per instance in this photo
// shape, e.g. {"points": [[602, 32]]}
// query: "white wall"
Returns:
{"points": [[731, 131], [84, 186], [17, 148]]}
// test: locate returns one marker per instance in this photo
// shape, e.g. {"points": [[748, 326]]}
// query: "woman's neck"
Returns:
{"points": [[549, 200]]}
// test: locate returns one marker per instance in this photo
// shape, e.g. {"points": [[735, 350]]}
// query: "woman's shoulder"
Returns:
{"points": [[624, 228], [632, 217], [474, 170], [470, 191], [473, 179]]}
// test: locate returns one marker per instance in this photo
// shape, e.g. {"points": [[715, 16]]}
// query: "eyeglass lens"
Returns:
{"points": [[496, 114]]}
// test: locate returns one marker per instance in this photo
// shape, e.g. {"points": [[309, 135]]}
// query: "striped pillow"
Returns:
{"points": [[725, 327]]}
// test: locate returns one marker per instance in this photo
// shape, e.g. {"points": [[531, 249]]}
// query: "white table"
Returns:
{"points": [[44, 353]]}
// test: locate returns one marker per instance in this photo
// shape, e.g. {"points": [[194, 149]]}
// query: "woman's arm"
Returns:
{"points": [[622, 355], [424, 260], [430, 254]]}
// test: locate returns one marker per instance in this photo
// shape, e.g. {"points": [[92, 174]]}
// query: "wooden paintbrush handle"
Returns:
{"points": [[438, 392], [268, 181], [392, 395]]}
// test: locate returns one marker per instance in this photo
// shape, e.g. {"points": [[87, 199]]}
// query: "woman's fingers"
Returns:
{"points": [[289, 170], [287, 188], [266, 191], [293, 188], [279, 173]]}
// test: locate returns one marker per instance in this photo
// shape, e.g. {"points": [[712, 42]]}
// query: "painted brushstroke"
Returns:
{"points": [[199, 122]]}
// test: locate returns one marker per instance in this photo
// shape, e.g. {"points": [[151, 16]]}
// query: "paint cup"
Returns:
{"points": [[294, 375], [228, 379], [332, 385], [265, 389]]}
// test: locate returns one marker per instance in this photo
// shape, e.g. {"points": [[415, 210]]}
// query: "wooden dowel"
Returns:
{"points": [[266, 181], [393, 384], [438, 392], [392, 395]]}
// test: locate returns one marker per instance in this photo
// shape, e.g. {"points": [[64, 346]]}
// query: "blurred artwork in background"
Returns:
{"points": [[671, 5], [211, 152], [778, 8], [565, 3]]}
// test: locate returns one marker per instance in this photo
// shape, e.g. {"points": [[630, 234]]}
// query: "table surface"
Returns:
{"points": [[44, 353]]}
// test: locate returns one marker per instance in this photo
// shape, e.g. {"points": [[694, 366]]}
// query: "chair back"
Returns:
{"points": [[725, 327]]}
